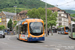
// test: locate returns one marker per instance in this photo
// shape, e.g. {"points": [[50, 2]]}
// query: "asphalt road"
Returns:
{"points": [[55, 42]]}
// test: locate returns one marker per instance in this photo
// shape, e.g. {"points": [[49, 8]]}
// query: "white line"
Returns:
{"points": [[4, 43], [45, 45], [9, 38]]}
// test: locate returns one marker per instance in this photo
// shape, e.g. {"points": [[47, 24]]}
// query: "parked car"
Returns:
{"points": [[2, 34]]}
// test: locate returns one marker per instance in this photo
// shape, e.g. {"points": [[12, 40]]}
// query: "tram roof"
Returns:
{"points": [[20, 22]]}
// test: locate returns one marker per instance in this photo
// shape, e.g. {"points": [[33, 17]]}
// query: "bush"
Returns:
{"points": [[2, 27]]}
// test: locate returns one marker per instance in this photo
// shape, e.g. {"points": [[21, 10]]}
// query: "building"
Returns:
{"points": [[3, 19], [6, 16], [63, 18], [20, 16]]}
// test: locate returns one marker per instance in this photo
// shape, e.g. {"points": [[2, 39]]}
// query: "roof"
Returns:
{"points": [[23, 12], [8, 13], [28, 19], [54, 8]]}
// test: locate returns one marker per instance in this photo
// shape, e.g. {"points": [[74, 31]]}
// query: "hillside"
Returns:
{"points": [[70, 11], [21, 4]]}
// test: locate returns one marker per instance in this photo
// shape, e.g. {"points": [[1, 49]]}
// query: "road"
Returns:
{"points": [[55, 42]]}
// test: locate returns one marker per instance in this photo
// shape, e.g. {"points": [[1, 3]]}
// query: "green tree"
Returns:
{"points": [[60, 26], [72, 15], [2, 27], [15, 22], [10, 24], [34, 13]]}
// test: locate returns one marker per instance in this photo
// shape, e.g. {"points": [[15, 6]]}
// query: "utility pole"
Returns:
{"points": [[46, 16], [15, 17], [15, 12]]}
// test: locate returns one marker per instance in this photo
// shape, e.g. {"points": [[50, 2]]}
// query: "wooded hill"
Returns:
{"points": [[8, 5]]}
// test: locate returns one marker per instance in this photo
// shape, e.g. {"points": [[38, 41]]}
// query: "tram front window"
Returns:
{"points": [[36, 28], [67, 28]]}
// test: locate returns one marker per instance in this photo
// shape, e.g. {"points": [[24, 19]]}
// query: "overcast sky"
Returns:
{"points": [[62, 4]]}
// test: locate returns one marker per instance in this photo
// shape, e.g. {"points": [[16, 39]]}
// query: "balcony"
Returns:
{"points": [[60, 12]]}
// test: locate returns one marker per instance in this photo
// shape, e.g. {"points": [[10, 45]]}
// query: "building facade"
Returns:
{"points": [[3, 19], [63, 18], [20, 16], [6, 16]]}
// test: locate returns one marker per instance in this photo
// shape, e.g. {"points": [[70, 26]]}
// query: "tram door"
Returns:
{"points": [[24, 31]]}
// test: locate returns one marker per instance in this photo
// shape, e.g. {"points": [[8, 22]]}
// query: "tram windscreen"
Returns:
{"points": [[66, 28], [36, 28]]}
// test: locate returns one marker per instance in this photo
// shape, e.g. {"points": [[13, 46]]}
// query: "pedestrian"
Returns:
{"points": [[48, 32]]}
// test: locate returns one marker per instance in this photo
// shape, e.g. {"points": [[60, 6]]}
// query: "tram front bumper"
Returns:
{"points": [[36, 39]]}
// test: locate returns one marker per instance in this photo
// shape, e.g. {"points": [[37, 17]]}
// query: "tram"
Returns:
{"points": [[30, 29]]}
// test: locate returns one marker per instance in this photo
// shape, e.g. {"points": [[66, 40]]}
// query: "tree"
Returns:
{"points": [[73, 15], [2, 27], [15, 22], [40, 13], [60, 26], [34, 13], [10, 24]]}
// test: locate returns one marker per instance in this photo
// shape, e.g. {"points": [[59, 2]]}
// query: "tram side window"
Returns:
{"points": [[59, 29], [73, 29], [62, 29], [25, 29], [21, 29]]}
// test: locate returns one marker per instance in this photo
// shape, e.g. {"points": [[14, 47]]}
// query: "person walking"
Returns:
{"points": [[48, 32]]}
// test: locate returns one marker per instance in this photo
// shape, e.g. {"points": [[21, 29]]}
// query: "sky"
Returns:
{"points": [[62, 4]]}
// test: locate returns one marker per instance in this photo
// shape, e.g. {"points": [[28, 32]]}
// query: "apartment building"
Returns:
{"points": [[21, 15], [63, 18], [3, 19]]}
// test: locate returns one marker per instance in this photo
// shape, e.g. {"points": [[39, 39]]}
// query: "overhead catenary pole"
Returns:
{"points": [[15, 12], [15, 16], [46, 16]]}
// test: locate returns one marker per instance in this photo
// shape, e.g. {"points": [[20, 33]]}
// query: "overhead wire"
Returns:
{"points": [[65, 3]]}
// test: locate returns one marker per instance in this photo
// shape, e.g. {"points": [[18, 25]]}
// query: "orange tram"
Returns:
{"points": [[63, 30], [30, 29]]}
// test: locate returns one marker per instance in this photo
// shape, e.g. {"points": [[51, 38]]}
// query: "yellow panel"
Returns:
{"points": [[0, 19]]}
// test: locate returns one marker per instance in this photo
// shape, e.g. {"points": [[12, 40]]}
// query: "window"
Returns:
{"points": [[52, 10], [23, 29], [58, 10], [0, 23], [59, 14], [3, 16], [60, 19], [3, 19], [3, 23], [36, 28], [60, 24], [0, 16]]}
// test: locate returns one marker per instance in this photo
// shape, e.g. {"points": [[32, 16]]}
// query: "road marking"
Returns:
{"points": [[45, 45], [57, 49], [3, 42], [8, 38], [52, 45]]}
